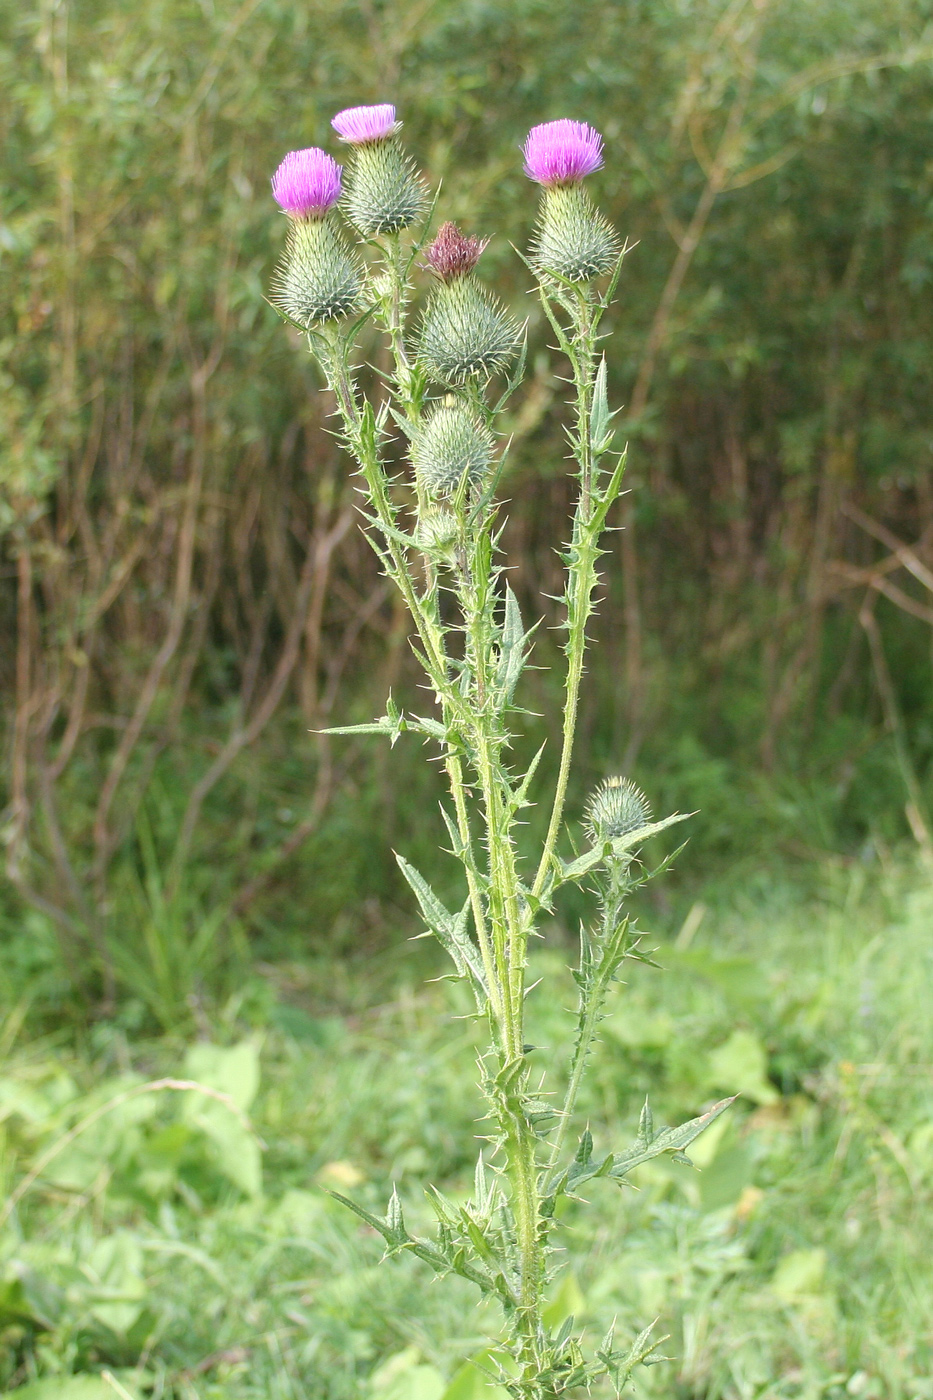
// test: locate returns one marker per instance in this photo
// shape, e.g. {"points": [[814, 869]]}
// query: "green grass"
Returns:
{"points": [[796, 1263]]}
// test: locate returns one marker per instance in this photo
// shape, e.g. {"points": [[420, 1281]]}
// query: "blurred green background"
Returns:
{"points": [[185, 594]]}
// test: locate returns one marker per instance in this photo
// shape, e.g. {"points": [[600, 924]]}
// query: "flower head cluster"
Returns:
{"points": [[452, 254], [307, 183], [465, 334], [562, 152], [358, 125]]}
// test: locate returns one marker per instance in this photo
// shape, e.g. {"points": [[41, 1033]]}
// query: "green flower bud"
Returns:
{"points": [[465, 333], [614, 809], [451, 444], [438, 533], [318, 278], [383, 190], [573, 239]]}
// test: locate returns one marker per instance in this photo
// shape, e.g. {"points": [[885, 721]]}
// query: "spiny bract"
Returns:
{"points": [[465, 333], [383, 189], [572, 238], [451, 443], [318, 278]]}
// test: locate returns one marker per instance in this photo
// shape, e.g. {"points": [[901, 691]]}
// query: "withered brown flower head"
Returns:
{"points": [[452, 254]]}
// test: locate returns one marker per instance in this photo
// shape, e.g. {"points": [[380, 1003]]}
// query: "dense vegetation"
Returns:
{"points": [[185, 594], [796, 1263]]}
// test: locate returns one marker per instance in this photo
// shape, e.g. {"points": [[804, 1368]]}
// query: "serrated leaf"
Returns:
{"points": [[585, 1167], [372, 1220], [431, 728], [392, 723], [668, 1140], [391, 532], [580, 1173], [625, 843], [451, 931], [620, 1365], [512, 648], [575, 869], [510, 1074], [394, 1218], [601, 431], [607, 496], [376, 726], [585, 1150], [480, 1189], [520, 795]]}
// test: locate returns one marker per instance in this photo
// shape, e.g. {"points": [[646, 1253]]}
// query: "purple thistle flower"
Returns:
{"points": [[562, 152], [307, 183], [361, 124]]}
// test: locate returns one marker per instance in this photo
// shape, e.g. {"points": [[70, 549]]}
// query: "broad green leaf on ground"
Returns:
{"points": [[740, 1065], [406, 1376], [77, 1388], [567, 1301], [233, 1071], [472, 1381], [799, 1274], [118, 1286]]}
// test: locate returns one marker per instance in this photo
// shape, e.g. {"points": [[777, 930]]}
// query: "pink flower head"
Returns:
{"points": [[361, 124], [307, 183], [562, 152]]}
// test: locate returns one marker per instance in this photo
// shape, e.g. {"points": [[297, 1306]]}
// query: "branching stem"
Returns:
{"points": [[473, 661]]}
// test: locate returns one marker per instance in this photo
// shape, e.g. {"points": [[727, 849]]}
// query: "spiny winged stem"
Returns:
{"points": [[433, 524]]}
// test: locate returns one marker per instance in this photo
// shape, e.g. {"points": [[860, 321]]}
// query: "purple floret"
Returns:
{"points": [[361, 124], [562, 152], [307, 183]]}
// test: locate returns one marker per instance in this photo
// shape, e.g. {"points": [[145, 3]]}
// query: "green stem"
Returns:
{"points": [[576, 650], [508, 931], [582, 580]]}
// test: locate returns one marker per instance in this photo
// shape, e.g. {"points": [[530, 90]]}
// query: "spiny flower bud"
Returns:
{"points": [[451, 444], [385, 193], [452, 254], [318, 278], [465, 332], [438, 533], [614, 809], [572, 238]]}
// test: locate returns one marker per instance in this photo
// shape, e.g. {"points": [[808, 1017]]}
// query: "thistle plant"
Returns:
{"points": [[435, 523]]}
